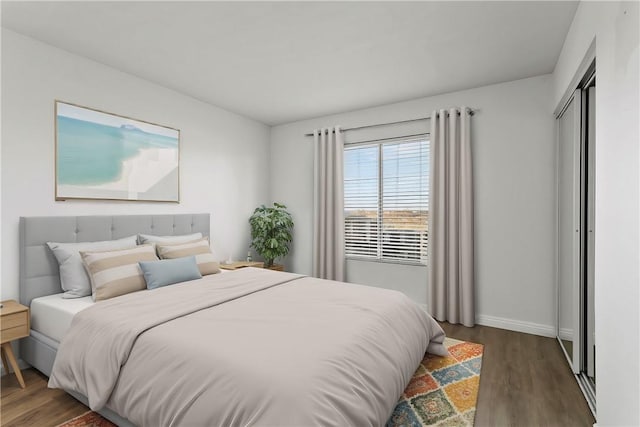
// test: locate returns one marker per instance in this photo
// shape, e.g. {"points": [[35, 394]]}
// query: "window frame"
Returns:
{"points": [[379, 143]]}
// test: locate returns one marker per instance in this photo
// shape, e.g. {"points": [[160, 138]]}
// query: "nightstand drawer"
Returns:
{"points": [[14, 324], [13, 320], [14, 333]]}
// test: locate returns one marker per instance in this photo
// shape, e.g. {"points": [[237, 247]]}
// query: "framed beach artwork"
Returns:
{"points": [[106, 156]]}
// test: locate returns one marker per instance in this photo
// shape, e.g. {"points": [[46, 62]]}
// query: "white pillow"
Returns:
{"points": [[184, 238], [73, 277]]}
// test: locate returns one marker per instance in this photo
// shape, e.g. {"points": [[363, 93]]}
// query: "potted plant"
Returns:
{"points": [[271, 232]]}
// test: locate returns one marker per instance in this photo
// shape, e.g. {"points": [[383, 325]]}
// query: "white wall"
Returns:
{"points": [[514, 175], [223, 159], [615, 27]]}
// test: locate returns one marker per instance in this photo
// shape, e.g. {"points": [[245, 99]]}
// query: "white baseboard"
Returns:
{"points": [[566, 334], [21, 363], [517, 325]]}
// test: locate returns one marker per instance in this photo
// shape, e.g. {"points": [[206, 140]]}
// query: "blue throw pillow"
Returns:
{"points": [[169, 271]]}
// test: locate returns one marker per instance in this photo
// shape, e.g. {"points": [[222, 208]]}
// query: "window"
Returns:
{"points": [[386, 200]]}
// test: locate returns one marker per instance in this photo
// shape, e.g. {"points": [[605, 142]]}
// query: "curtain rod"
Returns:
{"points": [[469, 110], [385, 139]]}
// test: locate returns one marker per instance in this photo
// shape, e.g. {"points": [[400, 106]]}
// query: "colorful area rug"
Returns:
{"points": [[88, 419], [444, 390]]}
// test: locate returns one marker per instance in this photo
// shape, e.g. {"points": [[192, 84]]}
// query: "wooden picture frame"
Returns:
{"points": [[106, 156]]}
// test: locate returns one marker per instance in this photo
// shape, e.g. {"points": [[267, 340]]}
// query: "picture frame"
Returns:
{"points": [[107, 156]]}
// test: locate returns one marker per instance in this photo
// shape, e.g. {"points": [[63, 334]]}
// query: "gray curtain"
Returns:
{"points": [[328, 206], [451, 264]]}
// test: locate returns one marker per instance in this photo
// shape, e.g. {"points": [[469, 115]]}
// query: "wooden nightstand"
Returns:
{"points": [[256, 264], [14, 324], [240, 264]]}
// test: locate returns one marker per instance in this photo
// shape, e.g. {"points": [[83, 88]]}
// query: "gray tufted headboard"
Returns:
{"points": [[38, 267]]}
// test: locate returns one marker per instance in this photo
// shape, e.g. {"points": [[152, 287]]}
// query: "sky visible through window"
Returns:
{"points": [[405, 173]]}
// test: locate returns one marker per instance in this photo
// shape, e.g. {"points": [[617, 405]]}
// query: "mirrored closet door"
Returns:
{"points": [[569, 124], [576, 233]]}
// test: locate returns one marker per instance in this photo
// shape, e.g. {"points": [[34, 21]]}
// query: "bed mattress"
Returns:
{"points": [[52, 315]]}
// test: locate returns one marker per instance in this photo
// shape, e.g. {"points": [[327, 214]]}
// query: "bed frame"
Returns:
{"points": [[39, 271]]}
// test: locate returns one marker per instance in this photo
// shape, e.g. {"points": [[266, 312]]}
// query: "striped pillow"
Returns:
{"points": [[115, 273], [200, 249]]}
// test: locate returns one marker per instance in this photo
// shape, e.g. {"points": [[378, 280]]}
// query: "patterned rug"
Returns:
{"points": [[443, 392], [88, 419]]}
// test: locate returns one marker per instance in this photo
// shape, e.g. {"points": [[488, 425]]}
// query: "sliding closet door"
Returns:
{"points": [[569, 159], [590, 238]]}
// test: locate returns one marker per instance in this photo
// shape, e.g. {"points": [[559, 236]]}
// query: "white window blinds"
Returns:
{"points": [[386, 195]]}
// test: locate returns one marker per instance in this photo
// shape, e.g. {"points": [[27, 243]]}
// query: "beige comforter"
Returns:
{"points": [[252, 347]]}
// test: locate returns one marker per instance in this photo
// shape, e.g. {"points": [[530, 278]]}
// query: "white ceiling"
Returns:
{"points": [[278, 62]]}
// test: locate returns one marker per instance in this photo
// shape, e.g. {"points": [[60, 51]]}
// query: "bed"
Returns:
{"points": [[251, 347]]}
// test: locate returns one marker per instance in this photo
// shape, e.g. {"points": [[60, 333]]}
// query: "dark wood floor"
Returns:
{"points": [[525, 381], [35, 405]]}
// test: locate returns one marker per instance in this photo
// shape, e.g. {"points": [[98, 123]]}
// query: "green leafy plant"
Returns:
{"points": [[271, 232]]}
